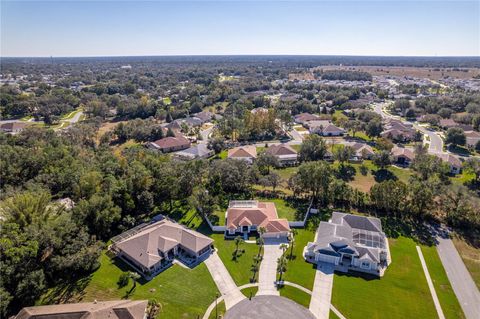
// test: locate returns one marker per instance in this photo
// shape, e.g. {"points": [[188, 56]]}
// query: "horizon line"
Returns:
{"points": [[239, 55]]}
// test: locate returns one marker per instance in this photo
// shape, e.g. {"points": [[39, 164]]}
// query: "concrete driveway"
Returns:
{"points": [[322, 291], [229, 290], [267, 274]]}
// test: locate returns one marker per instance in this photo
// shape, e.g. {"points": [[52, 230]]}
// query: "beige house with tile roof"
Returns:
{"points": [[245, 217], [285, 154], [246, 153], [117, 309], [152, 248]]}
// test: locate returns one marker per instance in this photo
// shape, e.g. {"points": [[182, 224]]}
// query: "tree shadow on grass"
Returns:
{"points": [[67, 291], [415, 229], [357, 274], [383, 175]]}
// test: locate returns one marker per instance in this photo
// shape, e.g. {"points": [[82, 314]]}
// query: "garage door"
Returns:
{"points": [[327, 258]]}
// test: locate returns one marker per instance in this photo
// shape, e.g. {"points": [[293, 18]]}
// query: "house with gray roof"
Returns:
{"points": [[151, 248], [199, 151], [351, 243]]}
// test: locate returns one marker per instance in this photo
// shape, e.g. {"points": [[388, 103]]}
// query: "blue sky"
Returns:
{"points": [[106, 28]]}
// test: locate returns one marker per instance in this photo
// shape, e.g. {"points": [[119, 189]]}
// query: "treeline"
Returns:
{"points": [[345, 75]]}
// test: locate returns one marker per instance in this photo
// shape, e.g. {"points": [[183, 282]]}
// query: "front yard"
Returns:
{"points": [[401, 293]]}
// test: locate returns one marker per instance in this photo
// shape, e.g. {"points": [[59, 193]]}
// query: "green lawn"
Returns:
{"points": [[249, 291], [448, 301], [296, 295], [298, 270], [239, 269], [183, 293], [287, 172], [333, 315], [220, 313], [401, 293], [223, 154]]}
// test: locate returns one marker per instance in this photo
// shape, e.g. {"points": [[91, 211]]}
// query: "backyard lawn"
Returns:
{"points": [[183, 293], [401, 293]]}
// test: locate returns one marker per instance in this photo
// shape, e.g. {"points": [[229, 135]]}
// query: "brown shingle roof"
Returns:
{"points": [[118, 309], [281, 149], [243, 151], [169, 142], [13, 126]]}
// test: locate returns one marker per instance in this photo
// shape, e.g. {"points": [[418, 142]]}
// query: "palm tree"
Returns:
{"points": [[134, 276], [293, 233], [281, 267], [255, 268], [283, 247], [238, 241], [260, 243]]}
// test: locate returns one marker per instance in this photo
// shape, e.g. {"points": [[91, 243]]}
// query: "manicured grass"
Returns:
{"points": [[471, 257], [296, 147], [239, 269], [183, 293], [448, 301], [220, 313], [362, 136], [286, 172], [332, 315], [296, 295], [298, 270], [284, 209], [251, 291], [401, 293], [465, 177]]}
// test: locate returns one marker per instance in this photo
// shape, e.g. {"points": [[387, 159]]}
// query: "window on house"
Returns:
{"points": [[365, 265]]}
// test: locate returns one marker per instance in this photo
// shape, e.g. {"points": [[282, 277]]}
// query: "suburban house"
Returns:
{"points": [[204, 116], [13, 127], [398, 131], [350, 243], [362, 151], [402, 156], [170, 144], [473, 137], [303, 118], [246, 153], [324, 128], [285, 154], [453, 162], [116, 309], [245, 217], [151, 248], [447, 123], [199, 151]]}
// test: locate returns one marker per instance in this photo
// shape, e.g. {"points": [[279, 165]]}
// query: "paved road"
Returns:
{"points": [[436, 302], [322, 291], [267, 275], [436, 142], [229, 290], [268, 307], [462, 283]]}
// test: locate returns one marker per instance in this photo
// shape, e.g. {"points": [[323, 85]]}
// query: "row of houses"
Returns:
{"points": [[404, 157]]}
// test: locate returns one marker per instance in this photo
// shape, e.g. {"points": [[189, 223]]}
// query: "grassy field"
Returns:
{"points": [[296, 295], [183, 293], [448, 301], [471, 258], [401, 293]]}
